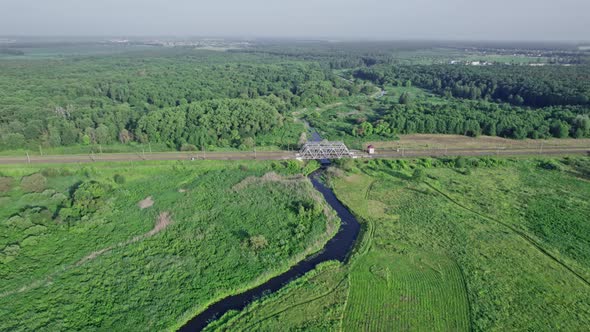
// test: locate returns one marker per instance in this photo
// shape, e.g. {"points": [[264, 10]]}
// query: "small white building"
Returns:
{"points": [[371, 149]]}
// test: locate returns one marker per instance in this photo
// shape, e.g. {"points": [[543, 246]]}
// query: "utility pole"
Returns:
{"points": [[28, 158], [254, 152], [100, 148], [150, 145], [40, 150]]}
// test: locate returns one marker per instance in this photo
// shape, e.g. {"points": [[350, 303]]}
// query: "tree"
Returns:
{"points": [[124, 136], [249, 142], [103, 134], [12, 140], [54, 137], [367, 128], [405, 98], [302, 139], [560, 129], [582, 125]]}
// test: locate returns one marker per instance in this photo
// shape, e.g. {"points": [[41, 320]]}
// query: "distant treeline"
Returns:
{"points": [[478, 118], [11, 51], [518, 85], [515, 102]]}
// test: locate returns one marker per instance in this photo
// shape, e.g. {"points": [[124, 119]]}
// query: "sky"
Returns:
{"points": [[556, 20]]}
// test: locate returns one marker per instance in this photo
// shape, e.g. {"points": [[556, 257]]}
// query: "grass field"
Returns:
{"points": [[145, 246], [475, 244], [410, 292], [314, 302], [522, 260]]}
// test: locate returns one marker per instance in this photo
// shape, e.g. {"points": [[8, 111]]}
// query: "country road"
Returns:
{"points": [[280, 155]]}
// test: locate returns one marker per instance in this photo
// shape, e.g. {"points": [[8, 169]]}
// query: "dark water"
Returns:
{"points": [[338, 248]]}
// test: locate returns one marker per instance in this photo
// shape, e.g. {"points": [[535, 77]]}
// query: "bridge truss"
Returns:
{"points": [[324, 150]]}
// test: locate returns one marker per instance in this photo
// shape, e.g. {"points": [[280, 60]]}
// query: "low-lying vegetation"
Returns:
{"points": [[453, 245], [514, 228], [80, 254]]}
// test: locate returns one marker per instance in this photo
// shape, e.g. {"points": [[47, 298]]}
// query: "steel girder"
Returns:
{"points": [[324, 150]]}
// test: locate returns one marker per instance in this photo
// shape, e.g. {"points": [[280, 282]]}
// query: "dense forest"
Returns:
{"points": [[508, 101], [518, 85], [186, 99], [178, 98]]}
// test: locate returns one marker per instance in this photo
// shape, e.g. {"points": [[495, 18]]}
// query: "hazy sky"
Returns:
{"points": [[351, 19]]}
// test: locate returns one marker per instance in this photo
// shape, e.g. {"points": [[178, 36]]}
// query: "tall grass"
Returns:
{"points": [[110, 271]]}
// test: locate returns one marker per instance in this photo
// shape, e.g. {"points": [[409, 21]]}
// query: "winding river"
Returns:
{"points": [[337, 248]]}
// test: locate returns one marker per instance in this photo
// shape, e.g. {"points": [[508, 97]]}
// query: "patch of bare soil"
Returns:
{"points": [[93, 255], [146, 203], [460, 141], [268, 177], [182, 190], [162, 222]]}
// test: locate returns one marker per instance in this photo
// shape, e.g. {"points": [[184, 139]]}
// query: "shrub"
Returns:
{"points": [[550, 165], [50, 172], [87, 198], [33, 183], [119, 179], [419, 175], [460, 162], [5, 184], [292, 167], [188, 147], [310, 167], [258, 242]]}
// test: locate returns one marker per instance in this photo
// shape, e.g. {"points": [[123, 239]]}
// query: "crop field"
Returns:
{"points": [[411, 292], [484, 220], [117, 246]]}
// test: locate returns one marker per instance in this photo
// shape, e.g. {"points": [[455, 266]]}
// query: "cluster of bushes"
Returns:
{"points": [[84, 200]]}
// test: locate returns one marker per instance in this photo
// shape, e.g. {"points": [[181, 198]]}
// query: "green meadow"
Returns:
{"points": [[128, 245], [461, 244]]}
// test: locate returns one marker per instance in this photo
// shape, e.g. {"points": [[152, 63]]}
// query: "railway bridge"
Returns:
{"points": [[324, 150]]}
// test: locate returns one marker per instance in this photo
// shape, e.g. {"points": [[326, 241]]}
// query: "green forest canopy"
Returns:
{"points": [[184, 98]]}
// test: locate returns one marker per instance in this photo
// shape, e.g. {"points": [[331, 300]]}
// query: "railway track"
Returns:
{"points": [[284, 155]]}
